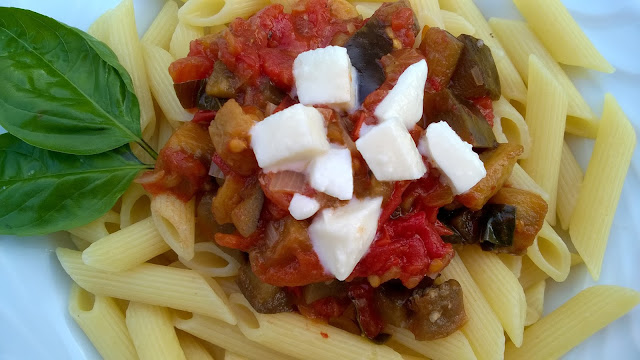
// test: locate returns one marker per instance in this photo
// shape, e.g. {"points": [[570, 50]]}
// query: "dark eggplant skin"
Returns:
{"points": [[263, 297], [365, 48], [493, 226], [189, 92], [476, 74]]}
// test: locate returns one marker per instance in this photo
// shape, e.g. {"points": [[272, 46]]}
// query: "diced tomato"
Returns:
{"points": [[363, 297], [323, 309], [394, 201], [404, 27], [204, 116], [182, 174], [278, 66], [485, 105], [190, 68], [236, 241]]}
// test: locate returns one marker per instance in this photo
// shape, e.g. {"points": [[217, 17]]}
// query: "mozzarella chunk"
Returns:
{"points": [[303, 207], [342, 236], [455, 158], [331, 173], [325, 76], [405, 100], [295, 134], [391, 153]]}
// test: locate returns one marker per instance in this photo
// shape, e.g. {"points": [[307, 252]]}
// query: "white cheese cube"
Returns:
{"points": [[331, 173], [405, 100], [391, 153], [325, 76], [461, 167], [295, 134], [303, 207], [342, 236]]}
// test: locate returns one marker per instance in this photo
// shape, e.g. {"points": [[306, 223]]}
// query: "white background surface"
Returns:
{"points": [[34, 323]]}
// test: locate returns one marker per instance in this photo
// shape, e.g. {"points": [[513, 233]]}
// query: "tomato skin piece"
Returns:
{"points": [[362, 295], [485, 105], [323, 309], [190, 68]]}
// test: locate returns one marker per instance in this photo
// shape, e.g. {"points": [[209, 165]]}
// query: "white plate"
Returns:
{"points": [[34, 323]]}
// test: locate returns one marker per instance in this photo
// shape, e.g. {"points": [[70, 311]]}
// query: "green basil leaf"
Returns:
{"points": [[63, 90], [43, 191]]}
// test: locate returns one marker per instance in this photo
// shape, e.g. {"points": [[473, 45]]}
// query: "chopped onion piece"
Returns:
{"points": [[288, 181], [215, 171]]}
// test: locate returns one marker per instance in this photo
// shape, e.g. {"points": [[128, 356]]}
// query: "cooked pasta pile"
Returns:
{"points": [[147, 287]]}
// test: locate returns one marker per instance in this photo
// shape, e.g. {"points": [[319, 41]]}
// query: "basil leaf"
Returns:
{"points": [[63, 90], [43, 191]]}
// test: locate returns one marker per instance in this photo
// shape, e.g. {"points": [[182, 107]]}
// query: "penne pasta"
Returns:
{"points": [[366, 9], [192, 348], [103, 322], [134, 205], [152, 331], [124, 41], [428, 13], [550, 253], [224, 335], [567, 326], [561, 35], [295, 335], [520, 43], [98, 228], [531, 273], [126, 248], [510, 81], [162, 28], [456, 24], [535, 302], [519, 179], [182, 37], [500, 287], [569, 183], [99, 29], [151, 284], [512, 262], [175, 221], [598, 198], [218, 12], [80, 244], [210, 260], [546, 114], [158, 61], [228, 355], [483, 328], [509, 126], [454, 346]]}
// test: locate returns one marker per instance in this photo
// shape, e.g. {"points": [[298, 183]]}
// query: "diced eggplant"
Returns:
{"points": [[221, 83], [246, 215], [264, 298], [365, 48], [476, 74], [531, 210], [498, 163], [321, 290], [437, 311], [207, 102], [189, 92], [493, 227], [465, 120], [442, 51]]}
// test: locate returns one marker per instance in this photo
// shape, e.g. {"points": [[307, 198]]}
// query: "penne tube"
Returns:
{"points": [[535, 302], [175, 221], [546, 114], [512, 262], [569, 183], [302, 338], [134, 205], [456, 24], [80, 244], [598, 198], [520, 43], [103, 322], [500, 287], [531, 273], [454, 346], [550, 253], [567, 326], [228, 355], [182, 37], [225, 336], [192, 348], [218, 12], [510, 126], [151, 284], [510, 81], [519, 179], [210, 260], [126, 248], [428, 13], [165, 130], [152, 331], [561, 35], [366, 9], [162, 28], [483, 328], [98, 228], [158, 61], [99, 29]]}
